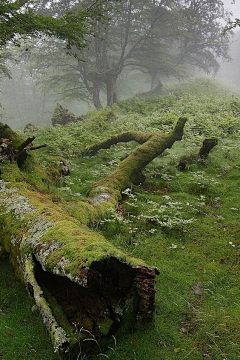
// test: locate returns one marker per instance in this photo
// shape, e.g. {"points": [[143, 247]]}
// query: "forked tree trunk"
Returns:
{"points": [[84, 288]]}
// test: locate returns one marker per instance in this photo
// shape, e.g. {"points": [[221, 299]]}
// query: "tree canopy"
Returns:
{"points": [[158, 38], [232, 25], [111, 39], [18, 20]]}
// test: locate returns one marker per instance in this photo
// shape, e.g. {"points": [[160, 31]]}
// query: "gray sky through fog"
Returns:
{"points": [[234, 8]]}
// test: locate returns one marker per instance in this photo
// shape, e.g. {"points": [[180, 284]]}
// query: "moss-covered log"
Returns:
{"points": [[130, 169], [83, 286], [17, 148], [138, 136], [207, 145]]}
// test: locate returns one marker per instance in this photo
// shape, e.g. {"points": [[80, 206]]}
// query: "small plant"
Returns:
{"points": [[86, 336]]}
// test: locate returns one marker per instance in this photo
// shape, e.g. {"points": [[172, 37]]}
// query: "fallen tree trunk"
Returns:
{"points": [[84, 288]]}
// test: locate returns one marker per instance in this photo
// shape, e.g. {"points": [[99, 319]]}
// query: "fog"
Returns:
{"points": [[229, 72], [43, 74], [233, 7]]}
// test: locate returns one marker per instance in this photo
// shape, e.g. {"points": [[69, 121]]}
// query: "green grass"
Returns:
{"points": [[185, 223], [23, 335]]}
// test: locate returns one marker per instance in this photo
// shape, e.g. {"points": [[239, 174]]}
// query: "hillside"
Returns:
{"points": [[185, 223]]}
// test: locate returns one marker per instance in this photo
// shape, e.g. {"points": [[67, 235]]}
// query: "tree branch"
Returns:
{"points": [[26, 143], [137, 136], [207, 145]]}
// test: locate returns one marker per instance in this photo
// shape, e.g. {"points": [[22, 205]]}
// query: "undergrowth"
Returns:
{"points": [[185, 223]]}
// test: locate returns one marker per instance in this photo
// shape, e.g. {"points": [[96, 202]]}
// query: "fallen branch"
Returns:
{"points": [[27, 142], [37, 147], [16, 149], [207, 146], [139, 137], [78, 279], [130, 169]]}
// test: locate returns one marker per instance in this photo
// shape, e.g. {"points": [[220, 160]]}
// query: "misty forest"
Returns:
{"points": [[119, 180]]}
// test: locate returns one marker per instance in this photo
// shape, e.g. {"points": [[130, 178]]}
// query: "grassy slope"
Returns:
{"points": [[22, 334], [187, 224]]}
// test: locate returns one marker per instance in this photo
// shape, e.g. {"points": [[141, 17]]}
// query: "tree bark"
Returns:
{"points": [[138, 136], [84, 288], [207, 145], [96, 97], [111, 85]]}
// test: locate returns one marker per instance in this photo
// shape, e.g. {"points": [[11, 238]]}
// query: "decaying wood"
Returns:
{"points": [[16, 149], [63, 116], [38, 147], [82, 285], [27, 142], [207, 145]]}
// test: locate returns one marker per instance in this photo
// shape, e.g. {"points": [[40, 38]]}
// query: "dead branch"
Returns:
{"points": [[73, 273], [26, 143], [207, 146], [37, 147], [138, 136]]}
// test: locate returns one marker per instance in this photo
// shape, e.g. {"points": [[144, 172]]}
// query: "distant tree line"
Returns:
{"points": [[159, 39], [110, 40]]}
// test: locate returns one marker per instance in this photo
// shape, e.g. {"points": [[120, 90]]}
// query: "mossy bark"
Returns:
{"points": [[207, 145], [131, 168], [83, 286], [138, 136]]}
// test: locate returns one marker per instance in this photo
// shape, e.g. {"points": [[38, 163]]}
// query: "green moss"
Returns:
{"points": [[22, 333], [11, 172], [105, 326], [79, 246], [7, 132], [185, 325], [129, 169], [30, 170], [138, 136], [57, 334], [52, 172], [61, 317]]}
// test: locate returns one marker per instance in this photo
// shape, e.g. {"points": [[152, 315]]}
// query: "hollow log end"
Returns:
{"points": [[112, 298]]}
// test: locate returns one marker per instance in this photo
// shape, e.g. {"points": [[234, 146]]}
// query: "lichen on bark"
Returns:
{"points": [[78, 279]]}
